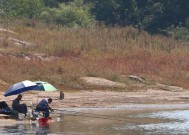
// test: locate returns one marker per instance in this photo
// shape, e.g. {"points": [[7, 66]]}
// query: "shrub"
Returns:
{"points": [[72, 14]]}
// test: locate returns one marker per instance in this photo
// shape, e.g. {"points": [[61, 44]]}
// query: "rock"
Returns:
{"points": [[169, 87], [21, 42], [6, 30], [102, 82], [136, 78]]}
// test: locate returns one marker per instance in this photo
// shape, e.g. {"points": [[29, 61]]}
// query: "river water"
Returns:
{"points": [[119, 120]]}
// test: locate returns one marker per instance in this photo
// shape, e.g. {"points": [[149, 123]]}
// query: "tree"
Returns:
{"points": [[129, 12], [106, 11], [26, 8], [72, 14], [4, 7], [149, 13]]}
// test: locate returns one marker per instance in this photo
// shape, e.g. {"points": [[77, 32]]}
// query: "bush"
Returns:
{"points": [[25, 8], [72, 14], [179, 32]]}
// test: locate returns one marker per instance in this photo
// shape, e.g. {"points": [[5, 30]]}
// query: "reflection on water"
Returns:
{"points": [[108, 122], [33, 128]]}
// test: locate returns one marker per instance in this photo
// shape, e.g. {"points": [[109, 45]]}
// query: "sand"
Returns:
{"points": [[104, 98], [144, 100]]}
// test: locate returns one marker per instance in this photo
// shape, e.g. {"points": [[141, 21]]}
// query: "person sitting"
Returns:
{"points": [[21, 108], [43, 106]]}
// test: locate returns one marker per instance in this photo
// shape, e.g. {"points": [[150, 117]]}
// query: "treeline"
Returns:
{"points": [[170, 17]]}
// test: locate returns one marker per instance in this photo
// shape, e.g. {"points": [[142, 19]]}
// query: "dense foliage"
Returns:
{"points": [[154, 16], [151, 15], [72, 14]]}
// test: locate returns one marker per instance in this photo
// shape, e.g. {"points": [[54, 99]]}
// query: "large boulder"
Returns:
{"points": [[101, 82]]}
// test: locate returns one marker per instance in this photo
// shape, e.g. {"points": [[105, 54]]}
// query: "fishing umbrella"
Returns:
{"points": [[43, 86], [20, 87]]}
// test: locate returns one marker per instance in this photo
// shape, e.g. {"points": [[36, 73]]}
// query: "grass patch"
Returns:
{"points": [[94, 52]]}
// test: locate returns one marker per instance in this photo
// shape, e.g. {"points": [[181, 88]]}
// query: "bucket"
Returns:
{"points": [[44, 120]]}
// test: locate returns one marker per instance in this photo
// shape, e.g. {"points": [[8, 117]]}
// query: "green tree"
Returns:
{"points": [[74, 13], [4, 7], [50, 3], [107, 11], [26, 8], [149, 14], [175, 13], [129, 12], [122, 12]]}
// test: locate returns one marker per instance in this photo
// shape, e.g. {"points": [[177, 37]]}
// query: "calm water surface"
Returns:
{"points": [[108, 121]]}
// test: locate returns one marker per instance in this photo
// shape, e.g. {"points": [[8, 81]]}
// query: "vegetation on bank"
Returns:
{"points": [[165, 17], [99, 38], [108, 52]]}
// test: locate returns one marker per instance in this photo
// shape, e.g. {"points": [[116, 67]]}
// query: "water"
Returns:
{"points": [[107, 121]]}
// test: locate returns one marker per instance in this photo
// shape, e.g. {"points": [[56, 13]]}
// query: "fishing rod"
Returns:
{"points": [[83, 114], [92, 114], [75, 113]]}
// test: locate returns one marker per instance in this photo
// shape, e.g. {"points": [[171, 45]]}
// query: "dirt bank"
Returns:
{"points": [[105, 98]]}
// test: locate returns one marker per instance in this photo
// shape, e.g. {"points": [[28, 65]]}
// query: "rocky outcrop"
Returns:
{"points": [[136, 78], [169, 87], [20, 42], [10, 38], [9, 31], [102, 82]]}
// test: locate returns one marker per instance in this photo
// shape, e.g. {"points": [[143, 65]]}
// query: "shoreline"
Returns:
{"points": [[103, 99], [130, 109], [140, 101]]}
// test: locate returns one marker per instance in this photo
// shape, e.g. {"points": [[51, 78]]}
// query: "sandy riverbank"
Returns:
{"points": [[131, 101], [105, 98]]}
